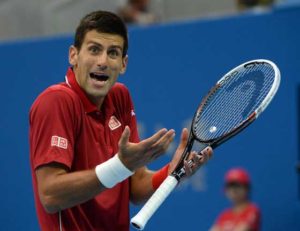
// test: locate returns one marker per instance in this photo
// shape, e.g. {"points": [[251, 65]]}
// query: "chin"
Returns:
{"points": [[97, 94]]}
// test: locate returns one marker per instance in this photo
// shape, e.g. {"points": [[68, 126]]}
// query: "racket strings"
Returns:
{"points": [[235, 100], [233, 106]]}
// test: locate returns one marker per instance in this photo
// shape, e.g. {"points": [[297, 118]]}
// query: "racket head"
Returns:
{"points": [[237, 99]]}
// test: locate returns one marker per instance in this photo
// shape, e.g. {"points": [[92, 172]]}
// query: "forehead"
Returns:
{"points": [[104, 39]]}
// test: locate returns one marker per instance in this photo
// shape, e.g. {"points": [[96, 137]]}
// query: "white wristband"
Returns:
{"points": [[112, 172]]}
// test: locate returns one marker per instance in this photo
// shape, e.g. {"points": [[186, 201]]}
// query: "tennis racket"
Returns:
{"points": [[237, 99]]}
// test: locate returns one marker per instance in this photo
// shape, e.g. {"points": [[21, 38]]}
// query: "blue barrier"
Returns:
{"points": [[170, 68]]}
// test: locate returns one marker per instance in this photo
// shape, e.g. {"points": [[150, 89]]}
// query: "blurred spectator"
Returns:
{"points": [[247, 4], [244, 215], [137, 12]]}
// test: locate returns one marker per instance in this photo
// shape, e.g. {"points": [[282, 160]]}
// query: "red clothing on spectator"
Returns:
{"points": [[230, 219]]}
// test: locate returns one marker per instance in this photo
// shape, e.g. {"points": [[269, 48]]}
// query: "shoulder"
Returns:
{"points": [[227, 211], [119, 90], [252, 215], [225, 214], [57, 92], [58, 95], [254, 208], [120, 96], [61, 90]]}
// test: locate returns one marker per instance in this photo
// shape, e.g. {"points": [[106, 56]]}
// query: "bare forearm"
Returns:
{"points": [[141, 186], [243, 227], [215, 228], [66, 190]]}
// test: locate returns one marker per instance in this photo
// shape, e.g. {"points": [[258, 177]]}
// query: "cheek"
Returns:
{"points": [[85, 61], [240, 194], [116, 65], [244, 193], [228, 193], [232, 193]]}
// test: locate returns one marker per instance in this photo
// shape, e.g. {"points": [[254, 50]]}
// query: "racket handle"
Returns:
{"points": [[140, 220]]}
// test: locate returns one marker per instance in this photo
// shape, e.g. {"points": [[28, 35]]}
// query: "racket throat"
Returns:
{"points": [[182, 172]]}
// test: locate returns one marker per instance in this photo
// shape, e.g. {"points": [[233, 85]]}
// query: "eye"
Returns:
{"points": [[113, 53], [94, 49]]}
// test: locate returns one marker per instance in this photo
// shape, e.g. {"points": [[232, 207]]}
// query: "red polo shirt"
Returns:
{"points": [[65, 127], [229, 219]]}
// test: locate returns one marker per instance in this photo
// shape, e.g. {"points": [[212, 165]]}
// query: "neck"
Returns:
{"points": [[240, 206], [97, 101]]}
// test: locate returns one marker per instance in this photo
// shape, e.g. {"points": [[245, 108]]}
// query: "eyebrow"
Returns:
{"points": [[117, 46], [100, 45]]}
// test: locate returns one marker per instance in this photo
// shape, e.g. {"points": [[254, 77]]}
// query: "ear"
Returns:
{"points": [[124, 64], [73, 56]]}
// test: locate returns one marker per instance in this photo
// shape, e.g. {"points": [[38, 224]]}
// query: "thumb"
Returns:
{"points": [[125, 137], [176, 158], [183, 138]]}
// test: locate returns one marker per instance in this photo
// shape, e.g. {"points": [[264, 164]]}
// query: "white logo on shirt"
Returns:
{"points": [[132, 113], [114, 123], [59, 142]]}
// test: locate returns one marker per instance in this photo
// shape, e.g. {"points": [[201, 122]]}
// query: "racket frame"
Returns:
{"points": [[178, 173], [141, 219]]}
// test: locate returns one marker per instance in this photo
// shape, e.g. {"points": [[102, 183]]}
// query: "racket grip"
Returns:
{"points": [[140, 220]]}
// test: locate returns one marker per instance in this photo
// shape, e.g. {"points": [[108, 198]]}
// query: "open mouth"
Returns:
{"points": [[99, 77]]}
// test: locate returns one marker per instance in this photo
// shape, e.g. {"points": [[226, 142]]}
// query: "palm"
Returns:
{"points": [[136, 155]]}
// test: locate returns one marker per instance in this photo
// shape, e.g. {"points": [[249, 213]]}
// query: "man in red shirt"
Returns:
{"points": [[244, 215], [86, 157]]}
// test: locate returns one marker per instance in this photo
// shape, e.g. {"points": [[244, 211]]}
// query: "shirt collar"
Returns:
{"points": [[89, 106]]}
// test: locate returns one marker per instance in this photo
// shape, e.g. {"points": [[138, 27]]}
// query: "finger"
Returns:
{"points": [[203, 157], [160, 149], [183, 138], [196, 158], [125, 137], [164, 142], [188, 168], [208, 152], [191, 156], [151, 140], [196, 161]]}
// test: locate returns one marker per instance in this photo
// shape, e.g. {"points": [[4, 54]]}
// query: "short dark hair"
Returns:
{"points": [[102, 22]]}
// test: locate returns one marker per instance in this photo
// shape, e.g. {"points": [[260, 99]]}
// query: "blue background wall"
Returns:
{"points": [[170, 68]]}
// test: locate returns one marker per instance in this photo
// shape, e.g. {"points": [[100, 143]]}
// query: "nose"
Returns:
{"points": [[102, 61]]}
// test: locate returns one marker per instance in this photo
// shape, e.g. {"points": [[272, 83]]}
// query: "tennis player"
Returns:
{"points": [[86, 157], [244, 215]]}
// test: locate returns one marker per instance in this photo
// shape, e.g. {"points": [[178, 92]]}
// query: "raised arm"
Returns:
{"points": [[60, 189]]}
